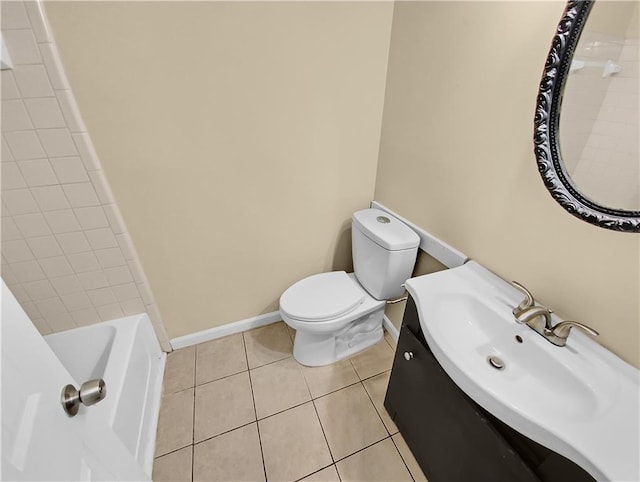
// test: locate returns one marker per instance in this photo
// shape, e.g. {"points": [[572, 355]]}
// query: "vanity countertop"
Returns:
{"points": [[580, 400]]}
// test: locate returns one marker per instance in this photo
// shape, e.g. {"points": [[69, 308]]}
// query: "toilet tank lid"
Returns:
{"points": [[385, 230]]}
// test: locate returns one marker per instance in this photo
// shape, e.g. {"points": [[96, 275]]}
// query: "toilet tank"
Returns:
{"points": [[384, 252]]}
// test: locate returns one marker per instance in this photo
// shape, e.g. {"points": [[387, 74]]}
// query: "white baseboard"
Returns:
{"points": [[225, 330], [390, 327], [431, 245]]}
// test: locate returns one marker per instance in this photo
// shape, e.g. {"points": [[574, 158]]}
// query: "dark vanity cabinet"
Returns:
{"points": [[452, 437]]}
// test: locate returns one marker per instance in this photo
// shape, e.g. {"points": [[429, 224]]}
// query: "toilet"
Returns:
{"points": [[338, 314]]}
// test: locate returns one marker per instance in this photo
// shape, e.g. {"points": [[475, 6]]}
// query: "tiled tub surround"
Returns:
{"points": [[66, 253], [241, 408]]}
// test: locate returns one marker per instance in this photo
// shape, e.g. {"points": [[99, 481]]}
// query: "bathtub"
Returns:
{"points": [[126, 354]]}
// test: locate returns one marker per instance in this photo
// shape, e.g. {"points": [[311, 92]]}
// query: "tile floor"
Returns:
{"points": [[241, 408]]}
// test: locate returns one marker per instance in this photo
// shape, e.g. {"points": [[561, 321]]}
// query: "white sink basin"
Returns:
{"points": [[579, 400]]}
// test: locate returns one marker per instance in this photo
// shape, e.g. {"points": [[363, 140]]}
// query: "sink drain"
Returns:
{"points": [[495, 362]]}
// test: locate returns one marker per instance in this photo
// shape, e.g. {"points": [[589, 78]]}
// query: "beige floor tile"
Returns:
{"points": [[377, 389], [267, 344], [330, 474], [390, 341], [409, 459], [233, 456], [173, 467], [293, 444], [292, 333], [349, 420], [278, 386], [220, 358], [379, 462], [329, 378], [175, 422], [223, 405], [373, 360], [179, 370]]}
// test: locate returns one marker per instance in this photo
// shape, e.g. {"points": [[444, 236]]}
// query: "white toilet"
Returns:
{"points": [[337, 314]]}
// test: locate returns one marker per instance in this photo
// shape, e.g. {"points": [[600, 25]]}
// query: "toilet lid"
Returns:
{"points": [[322, 297]]}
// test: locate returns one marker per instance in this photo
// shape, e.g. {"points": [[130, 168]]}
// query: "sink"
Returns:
{"points": [[579, 400]]}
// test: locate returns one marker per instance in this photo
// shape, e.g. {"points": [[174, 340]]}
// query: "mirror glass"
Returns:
{"points": [[599, 118]]}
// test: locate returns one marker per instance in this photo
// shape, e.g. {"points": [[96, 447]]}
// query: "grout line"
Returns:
{"points": [[315, 472], [224, 433], [402, 458], [376, 409], [255, 411], [362, 449]]}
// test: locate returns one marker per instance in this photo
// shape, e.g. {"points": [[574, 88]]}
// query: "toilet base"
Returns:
{"points": [[318, 349]]}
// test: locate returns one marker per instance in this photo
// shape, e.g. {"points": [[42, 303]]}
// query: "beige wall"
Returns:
{"points": [[457, 159], [238, 138]]}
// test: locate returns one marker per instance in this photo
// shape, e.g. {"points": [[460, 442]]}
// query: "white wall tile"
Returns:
{"points": [[70, 111], [110, 312], [28, 271], [9, 229], [41, 325], [132, 307], [91, 217], [154, 313], [84, 262], [76, 301], [62, 221], [126, 245], [115, 218], [56, 266], [101, 186], [51, 307], [22, 46], [72, 243], [110, 258], [86, 151], [24, 145], [33, 81], [38, 21], [45, 113], [61, 322], [50, 198], [119, 275], [57, 142], [70, 169], [31, 310], [145, 293], [6, 152], [66, 284], [93, 280], [85, 317], [11, 176], [16, 251], [19, 292], [101, 238], [31, 225], [38, 172], [81, 194], [14, 116], [13, 15], [9, 87], [52, 62], [7, 275], [19, 201], [39, 290], [101, 296], [125, 292], [44, 247]]}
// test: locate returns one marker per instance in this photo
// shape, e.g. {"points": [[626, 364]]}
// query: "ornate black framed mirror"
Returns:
{"points": [[606, 204]]}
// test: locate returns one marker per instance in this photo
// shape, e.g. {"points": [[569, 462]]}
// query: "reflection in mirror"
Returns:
{"points": [[599, 125], [593, 173]]}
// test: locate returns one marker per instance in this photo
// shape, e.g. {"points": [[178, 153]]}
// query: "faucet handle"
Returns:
{"points": [[560, 332], [528, 301]]}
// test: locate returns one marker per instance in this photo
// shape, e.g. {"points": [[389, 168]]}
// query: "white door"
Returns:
{"points": [[39, 440]]}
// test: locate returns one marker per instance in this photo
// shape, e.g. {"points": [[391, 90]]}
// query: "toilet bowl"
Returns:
{"points": [[336, 314], [334, 317]]}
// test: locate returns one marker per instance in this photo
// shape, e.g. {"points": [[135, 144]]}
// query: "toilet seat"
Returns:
{"points": [[322, 297]]}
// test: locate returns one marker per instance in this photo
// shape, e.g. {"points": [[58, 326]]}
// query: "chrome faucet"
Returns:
{"points": [[538, 318]]}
